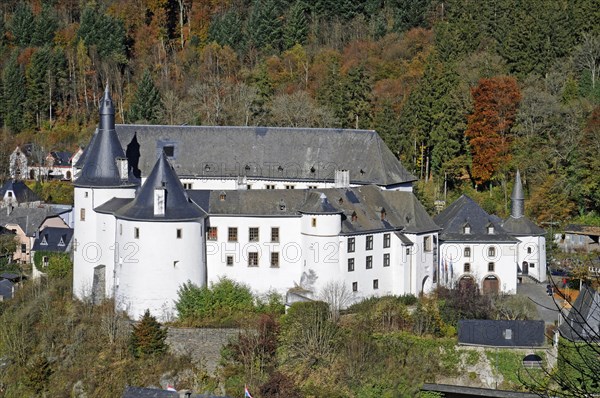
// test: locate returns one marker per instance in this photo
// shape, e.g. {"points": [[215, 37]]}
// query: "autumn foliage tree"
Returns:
{"points": [[495, 104]]}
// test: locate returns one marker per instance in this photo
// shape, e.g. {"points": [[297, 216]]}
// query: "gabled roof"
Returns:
{"points": [[583, 320], [464, 211], [29, 219], [318, 205], [580, 229], [61, 158], [178, 207], [273, 153], [22, 193], [53, 239]]}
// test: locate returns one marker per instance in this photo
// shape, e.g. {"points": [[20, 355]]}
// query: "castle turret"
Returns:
{"points": [[160, 236], [517, 198], [104, 176]]}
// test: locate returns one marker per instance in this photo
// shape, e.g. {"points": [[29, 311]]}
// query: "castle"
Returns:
{"points": [[280, 209]]}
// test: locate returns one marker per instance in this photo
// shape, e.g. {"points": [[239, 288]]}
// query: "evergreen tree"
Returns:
{"points": [[296, 27], [45, 27], [14, 94], [225, 30], [22, 25], [147, 337], [410, 14], [39, 74], [357, 99], [103, 31], [331, 92], [147, 105], [264, 25]]}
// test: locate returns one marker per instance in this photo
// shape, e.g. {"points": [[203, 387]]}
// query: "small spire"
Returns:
{"points": [[517, 198], [107, 111]]}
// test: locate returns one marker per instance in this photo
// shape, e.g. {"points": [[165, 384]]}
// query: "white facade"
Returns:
{"points": [[480, 262], [531, 256]]}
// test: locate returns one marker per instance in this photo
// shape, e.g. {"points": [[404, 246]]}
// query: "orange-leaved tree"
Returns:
{"points": [[495, 103]]}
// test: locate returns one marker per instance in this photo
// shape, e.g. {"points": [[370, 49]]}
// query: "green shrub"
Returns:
{"points": [[59, 264], [147, 337]]}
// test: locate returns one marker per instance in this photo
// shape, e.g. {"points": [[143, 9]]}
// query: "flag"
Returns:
{"points": [[246, 392], [171, 388]]}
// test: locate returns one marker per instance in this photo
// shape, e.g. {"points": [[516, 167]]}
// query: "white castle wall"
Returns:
{"points": [[151, 269], [263, 278], [532, 249]]}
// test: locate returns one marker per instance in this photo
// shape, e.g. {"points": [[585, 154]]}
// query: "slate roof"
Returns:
{"points": [[583, 320], [580, 229], [304, 154], [100, 167], [402, 210], [465, 211], [29, 219], [81, 160], [53, 239], [140, 392], [178, 207], [6, 289], [61, 158], [22, 193], [522, 227]]}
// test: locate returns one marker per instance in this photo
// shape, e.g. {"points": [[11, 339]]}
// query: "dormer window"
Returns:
{"points": [[490, 229], [207, 168], [341, 201], [62, 241], [10, 194], [222, 196], [169, 150], [44, 241], [466, 229], [282, 205], [312, 169], [382, 214], [354, 216], [280, 169]]}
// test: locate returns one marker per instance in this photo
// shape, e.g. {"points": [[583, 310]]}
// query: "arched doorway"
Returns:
{"points": [[423, 284], [491, 284], [68, 175], [32, 174]]}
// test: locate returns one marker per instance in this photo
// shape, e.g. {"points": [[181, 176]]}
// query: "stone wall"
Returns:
{"points": [[202, 345]]}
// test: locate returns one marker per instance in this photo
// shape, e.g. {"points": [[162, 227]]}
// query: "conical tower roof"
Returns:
{"points": [[177, 205], [517, 198], [518, 224], [100, 168]]}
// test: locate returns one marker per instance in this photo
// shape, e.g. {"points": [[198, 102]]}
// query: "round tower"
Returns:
{"points": [[160, 245], [104, 176]]}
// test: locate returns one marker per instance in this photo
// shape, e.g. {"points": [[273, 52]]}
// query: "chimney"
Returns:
{"points": [[342, 179], [159, 201], [123, 167], [9, 209]]}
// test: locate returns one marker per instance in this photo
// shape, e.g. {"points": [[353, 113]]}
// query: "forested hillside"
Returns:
{"points": [[463, 91]]}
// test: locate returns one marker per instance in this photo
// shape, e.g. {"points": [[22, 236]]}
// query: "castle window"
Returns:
{"points": [[355, 286], [136, 233], [386, 260], [10, 194], [531, 265], [232, 235], [85, 194], [369, 245], [386, 240], [187, 185], [350, 265], [491, 251], [491, 267], [467, 253], [45, 261], [274, 260], [253, 234], [375, 284], [312, 187], [529, 250], [179, 233], [467, 229], [229, 261], [408, 251], [169, 150], [269, 186], [275, 234], [290, 187], [427, 243], [248, 186], [351, 245], [490, 229], [467, 267], [82, 214], [23, 248], [369, 262], [222, 196], [212, 233], [253, 259], [313, 222]]}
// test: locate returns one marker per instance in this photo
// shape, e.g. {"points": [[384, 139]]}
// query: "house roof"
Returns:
{"points": [[522, 226], [452, 391], [580, 229], [465, 212], [583, 321], [272, 153], [22, 193], [6, 289], [61, 158], [100, 167], [178, 207], [29, 219], [53, 239], [402, 210], [140, 392]]}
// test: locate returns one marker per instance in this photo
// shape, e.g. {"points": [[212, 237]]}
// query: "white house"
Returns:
{"points": [[277, 209]]}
